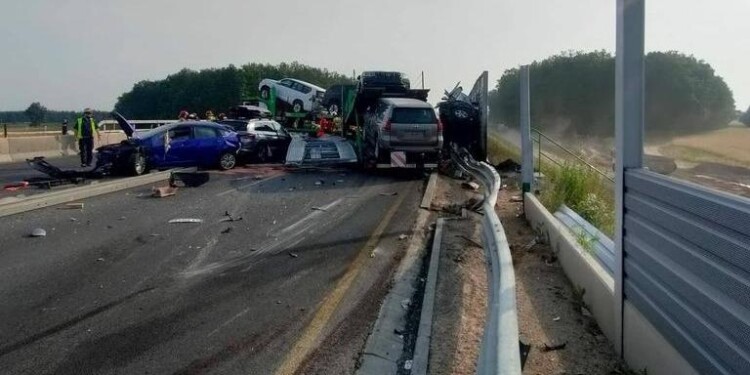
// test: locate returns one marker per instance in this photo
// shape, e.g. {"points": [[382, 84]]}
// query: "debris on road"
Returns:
{"points": [[293, 255], [390, 194], [553, 347], [319, 182], [556, 319], [508, 165], [470, 185], [186, 221], [15, 186], [402, 237], [100, 260], [225, 231], [230, 218], [73, 219], [407, 364], [38, 232], [405, 303], [516, 199], [188, 179], [163, 191], [72, 206], [315, 208]]}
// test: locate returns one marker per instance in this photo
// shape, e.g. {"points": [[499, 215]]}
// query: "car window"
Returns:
{"points": [[203, 132], [263, 127], [413, 116], [179, 134], [239, 126], [286, 83], [302, 88]]}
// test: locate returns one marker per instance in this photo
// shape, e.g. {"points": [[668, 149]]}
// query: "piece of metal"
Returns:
{"points": [[629, 123], [527, 148], [500, 351]]}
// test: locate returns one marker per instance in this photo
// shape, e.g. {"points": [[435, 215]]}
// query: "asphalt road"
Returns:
{"points": [[19, 171], [293, 287]]}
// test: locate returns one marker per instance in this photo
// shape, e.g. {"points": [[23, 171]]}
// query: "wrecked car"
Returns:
{"points": [[300, 95], [182, 144], [261, 140]]}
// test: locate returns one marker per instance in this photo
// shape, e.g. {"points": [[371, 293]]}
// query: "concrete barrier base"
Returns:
{"points": [[16, 149]]}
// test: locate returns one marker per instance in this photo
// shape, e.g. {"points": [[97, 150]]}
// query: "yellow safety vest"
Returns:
{"points": [[79, 125]]}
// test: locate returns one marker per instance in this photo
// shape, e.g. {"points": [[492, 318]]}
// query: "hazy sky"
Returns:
{"points": [[71, 54]]}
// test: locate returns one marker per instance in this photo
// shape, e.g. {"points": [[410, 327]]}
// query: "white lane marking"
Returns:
{"points": [[241, 313]]}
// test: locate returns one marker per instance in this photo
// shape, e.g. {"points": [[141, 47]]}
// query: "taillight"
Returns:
{"points": [[440, 126], [387, 126]]}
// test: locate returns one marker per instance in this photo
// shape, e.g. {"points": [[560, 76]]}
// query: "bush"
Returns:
{"points": [[581, 189]]}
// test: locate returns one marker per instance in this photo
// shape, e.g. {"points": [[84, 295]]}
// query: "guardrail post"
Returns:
{"points": [[629, 122], [527, 148]]}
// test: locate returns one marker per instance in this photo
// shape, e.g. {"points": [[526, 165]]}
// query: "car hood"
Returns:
{"points": [[126, 126]]}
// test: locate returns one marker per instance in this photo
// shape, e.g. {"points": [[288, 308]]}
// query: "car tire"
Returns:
{"points": [[138, 165], [297, 106], [265, 92], [227, 161]]}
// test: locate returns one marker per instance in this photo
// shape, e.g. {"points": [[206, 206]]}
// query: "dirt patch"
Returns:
{"points": [[728, 145], [461, 297], [564, 338]]}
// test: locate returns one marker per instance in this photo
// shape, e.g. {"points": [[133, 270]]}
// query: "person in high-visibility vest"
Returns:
{"points": [[84, 130]]}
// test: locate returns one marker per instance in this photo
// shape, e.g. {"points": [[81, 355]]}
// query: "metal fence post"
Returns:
{"points": [[629, 122], [527, 148]]}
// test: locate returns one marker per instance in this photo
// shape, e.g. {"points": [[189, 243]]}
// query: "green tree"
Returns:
{"points": [[36, 113], [745, 119], [574, 92], [214, 89]]}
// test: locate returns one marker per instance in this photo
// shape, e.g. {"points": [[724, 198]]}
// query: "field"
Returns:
{"points": [[729, 146]]}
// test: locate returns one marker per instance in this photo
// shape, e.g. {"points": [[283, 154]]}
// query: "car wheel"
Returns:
{"points": [[227, 161], [297, 106], [265, 92], [333, 108], [263, 154], [138, 164]]}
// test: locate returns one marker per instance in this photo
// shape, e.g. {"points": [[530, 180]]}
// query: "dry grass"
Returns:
{"points": [[729, 146]]}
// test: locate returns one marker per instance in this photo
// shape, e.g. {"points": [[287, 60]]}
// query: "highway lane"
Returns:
{"points": [[116, 289]]}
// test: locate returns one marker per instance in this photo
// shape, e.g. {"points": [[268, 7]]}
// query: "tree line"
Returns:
{"points": [[215, 89], [37, 114], [574, 92]]}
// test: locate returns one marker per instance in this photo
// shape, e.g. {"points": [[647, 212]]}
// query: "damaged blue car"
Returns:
{"points": [[182, 144]]}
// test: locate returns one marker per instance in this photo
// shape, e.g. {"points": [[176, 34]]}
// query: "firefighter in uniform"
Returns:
{"points": [[85, 129]]}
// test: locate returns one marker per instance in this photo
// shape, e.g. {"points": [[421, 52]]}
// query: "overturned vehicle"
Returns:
{"points": [[182, 144], [462, 119]]}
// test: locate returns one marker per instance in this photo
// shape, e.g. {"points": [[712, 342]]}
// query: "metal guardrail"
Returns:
{"points": [[541, 136], [601, 247], [500, 352]]}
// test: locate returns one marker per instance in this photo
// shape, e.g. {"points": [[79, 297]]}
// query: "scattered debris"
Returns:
{"points": [[530, 245], [556, 319], [278, 302], [553, 347], [73, 219], [163, 191], [314, 208], [38, 232], [339, 181], [122, 218], [72, 206], [15, 186], [320, 182], [516, 199], [470, 185], [252, 249], [225, 231], [407, 364], [399, 332], [508, 165], [230, 218], [293, 255], [188, 179], [186, 221], [100, 260], [389, 194], [402, 237], [405, 303]]}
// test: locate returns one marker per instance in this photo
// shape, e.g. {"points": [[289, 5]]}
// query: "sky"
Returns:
{"points": [[71, 54]]}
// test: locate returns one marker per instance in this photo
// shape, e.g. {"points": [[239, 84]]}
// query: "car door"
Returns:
{"points": [[207, 145], [179, 147], [281, 140], [283, 90]]}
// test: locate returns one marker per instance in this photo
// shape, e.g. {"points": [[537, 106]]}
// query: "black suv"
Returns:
{"points": [[261, 140], [383, 82], [332, 101]]}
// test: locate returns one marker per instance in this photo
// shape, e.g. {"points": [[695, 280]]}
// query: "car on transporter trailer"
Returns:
{"points": [[299, 95], [182, 144]]}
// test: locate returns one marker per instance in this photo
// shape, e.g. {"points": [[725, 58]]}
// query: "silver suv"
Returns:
{"points": [[403, 124]]}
